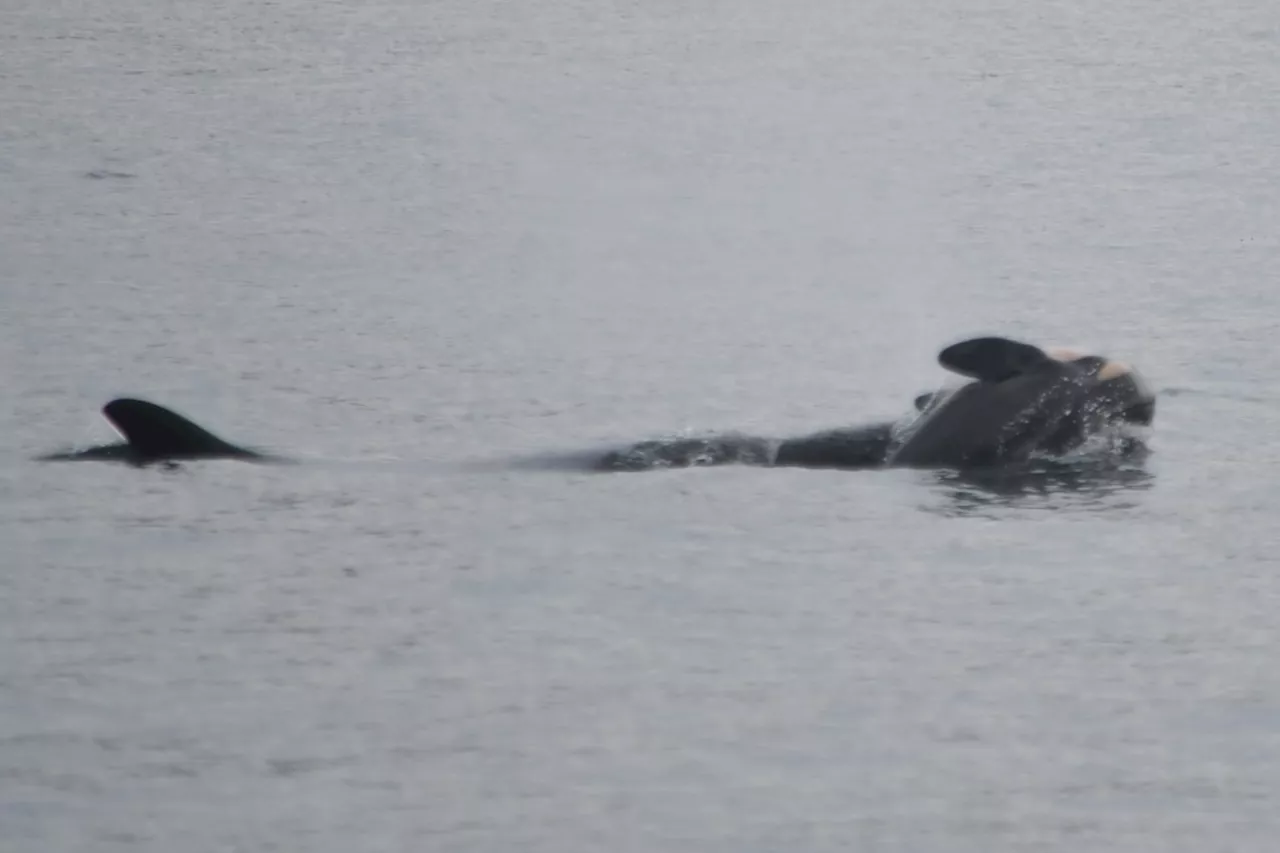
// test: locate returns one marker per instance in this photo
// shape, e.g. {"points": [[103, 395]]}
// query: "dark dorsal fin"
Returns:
{"points": [[992, 359], [155, 432]]}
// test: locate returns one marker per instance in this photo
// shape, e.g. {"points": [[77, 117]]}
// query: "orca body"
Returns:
{"points": [[849, 449], [155, 434], [1022, 402], [856, 447]]}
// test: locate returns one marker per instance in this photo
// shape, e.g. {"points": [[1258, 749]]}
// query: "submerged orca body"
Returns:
{"points": [[155, 434], [1022, 402]]}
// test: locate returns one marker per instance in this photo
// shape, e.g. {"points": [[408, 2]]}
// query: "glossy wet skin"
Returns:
{"points": [[1037, 404], [1121, 388]]}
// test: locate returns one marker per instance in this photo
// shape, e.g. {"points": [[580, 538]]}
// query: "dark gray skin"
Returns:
{"points": [[1021, 402], [847, 449], [154, 434]]}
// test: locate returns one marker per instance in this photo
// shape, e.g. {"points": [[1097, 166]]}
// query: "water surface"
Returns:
{"points": [[413, 244]]}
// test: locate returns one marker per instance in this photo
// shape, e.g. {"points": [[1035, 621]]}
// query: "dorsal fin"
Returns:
{"points": [[154, 431], [992, 359]]}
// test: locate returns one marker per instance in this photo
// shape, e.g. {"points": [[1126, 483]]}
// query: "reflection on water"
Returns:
{"points": [[1095, 485]]}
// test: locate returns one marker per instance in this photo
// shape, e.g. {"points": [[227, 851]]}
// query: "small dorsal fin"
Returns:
{"points": [[991, 359], [156, 432]]}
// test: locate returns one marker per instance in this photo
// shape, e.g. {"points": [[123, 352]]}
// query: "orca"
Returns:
{"points": [[154, 434], [1022, 402]]}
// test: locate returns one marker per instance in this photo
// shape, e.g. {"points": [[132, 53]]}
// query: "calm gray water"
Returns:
{"points": [[415, 245]]}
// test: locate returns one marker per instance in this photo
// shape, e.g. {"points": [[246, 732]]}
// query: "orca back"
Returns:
{"points": [[988, 423]]}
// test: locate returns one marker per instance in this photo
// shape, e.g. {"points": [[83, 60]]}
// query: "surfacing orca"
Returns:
{"points": [[155, 434], [1022, 402]]}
